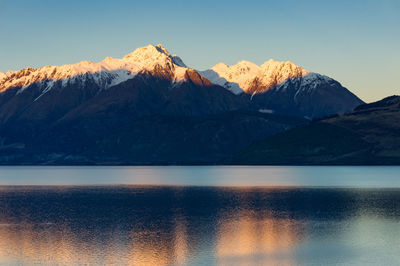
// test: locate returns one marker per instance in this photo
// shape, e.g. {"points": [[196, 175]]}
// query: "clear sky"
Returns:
{"points": [[356, 42]]}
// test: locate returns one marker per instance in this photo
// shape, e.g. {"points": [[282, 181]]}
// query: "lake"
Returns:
{"points": [[199, 215]]}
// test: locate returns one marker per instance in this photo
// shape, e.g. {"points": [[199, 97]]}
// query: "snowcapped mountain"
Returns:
{"points": [[105, 74], [284, 87], [252, 79]]}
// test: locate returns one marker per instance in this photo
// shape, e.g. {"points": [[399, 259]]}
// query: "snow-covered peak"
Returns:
{"points": [[106, 73], [220, 67], [248, 77], [235, 78], [242, 68], [315, 79], [283, 69], [151, 55]]}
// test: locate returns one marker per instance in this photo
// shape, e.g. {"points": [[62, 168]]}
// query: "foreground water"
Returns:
{"points": [[199, 215]]}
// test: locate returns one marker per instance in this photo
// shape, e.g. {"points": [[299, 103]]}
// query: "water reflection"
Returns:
{"points": [[197, 225], [259, 241]]}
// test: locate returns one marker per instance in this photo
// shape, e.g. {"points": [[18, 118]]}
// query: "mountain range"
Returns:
{"points": [[151, 108]]}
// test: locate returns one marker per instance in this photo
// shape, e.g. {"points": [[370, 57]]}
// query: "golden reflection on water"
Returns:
{"points": [[251, 240], [243, 240], [181, 243]]}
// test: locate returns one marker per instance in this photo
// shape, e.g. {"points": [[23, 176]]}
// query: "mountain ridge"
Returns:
{"points": [[119, 70], [240, 77]]}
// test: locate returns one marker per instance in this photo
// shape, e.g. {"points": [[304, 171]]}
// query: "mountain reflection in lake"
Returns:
{"points": [[150, 225]]}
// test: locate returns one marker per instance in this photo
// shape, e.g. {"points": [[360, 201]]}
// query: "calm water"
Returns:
{"points": [[199, 215]]}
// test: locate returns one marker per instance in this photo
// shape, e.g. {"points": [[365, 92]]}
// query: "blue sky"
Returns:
{"points": [[355, 42]]}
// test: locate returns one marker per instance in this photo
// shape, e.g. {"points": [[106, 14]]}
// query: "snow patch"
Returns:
{"points": [[266, 111], [180, 73]]}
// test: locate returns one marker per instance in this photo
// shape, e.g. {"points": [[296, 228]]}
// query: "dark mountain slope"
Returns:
{"points": [[368, 135], [155, 139]]}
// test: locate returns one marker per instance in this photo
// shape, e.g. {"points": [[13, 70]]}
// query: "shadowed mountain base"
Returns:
{"points": [[368, 135]]}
